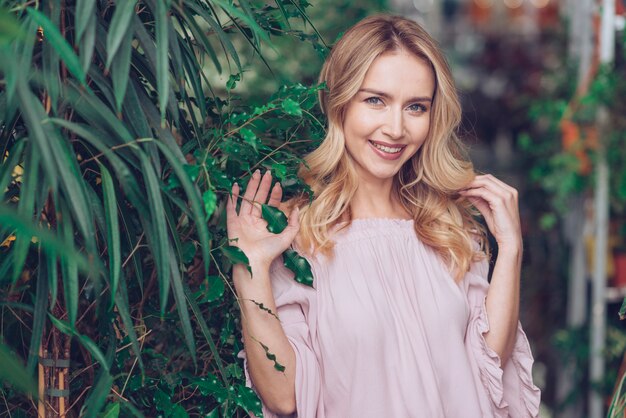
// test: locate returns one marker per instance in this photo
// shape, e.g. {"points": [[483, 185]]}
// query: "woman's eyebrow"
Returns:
{"points": [[385, 95]]}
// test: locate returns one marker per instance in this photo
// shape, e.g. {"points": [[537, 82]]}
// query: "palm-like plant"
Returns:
{"points": [[116, 152]]}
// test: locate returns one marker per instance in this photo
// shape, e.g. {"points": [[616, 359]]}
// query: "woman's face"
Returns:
{"points": [[388, 120]]}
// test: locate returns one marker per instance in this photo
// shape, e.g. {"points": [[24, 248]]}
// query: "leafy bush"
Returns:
{"points": [[117, 156]]}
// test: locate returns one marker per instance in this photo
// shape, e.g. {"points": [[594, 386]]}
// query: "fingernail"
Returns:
{"points": [[257, 173]]}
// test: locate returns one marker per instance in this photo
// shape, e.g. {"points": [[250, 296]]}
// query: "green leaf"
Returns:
{"points": [[279, 170], [162, 70], [204, 328], [181, 306], [9, 27], [13, 373], [291, 107], [271, 356], [214, 289], [232, 81], [84, 12], [276, 219], [112, 411], [236, 256], [622, 310], [120, 24], [195, 201], [159, 232], [98, 395], [70, 273], [8, 165], [113, 231], [210, 202], [300, 266], [65, 51], [39, 315], [248, 400], [48, 241], [87, 42], [121, 302], [30, 183], [120, 68], [86, 342]]}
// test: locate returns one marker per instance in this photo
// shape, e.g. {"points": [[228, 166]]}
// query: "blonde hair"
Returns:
{"points": [[427, 185]]}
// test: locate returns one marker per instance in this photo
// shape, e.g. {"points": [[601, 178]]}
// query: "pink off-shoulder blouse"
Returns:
{"points": [[386, 332]]}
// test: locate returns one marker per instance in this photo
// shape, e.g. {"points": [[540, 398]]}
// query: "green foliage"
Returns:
{"points": [[118, 149]]}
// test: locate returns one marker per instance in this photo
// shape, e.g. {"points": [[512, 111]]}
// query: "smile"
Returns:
{"points": [[387, 152]]}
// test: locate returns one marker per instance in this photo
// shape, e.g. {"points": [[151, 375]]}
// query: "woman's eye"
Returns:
{"points": [[418, 108], [374, 100]]}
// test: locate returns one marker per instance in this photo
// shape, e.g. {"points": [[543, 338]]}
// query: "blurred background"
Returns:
{"points": [[544, 110], [542, 84]]}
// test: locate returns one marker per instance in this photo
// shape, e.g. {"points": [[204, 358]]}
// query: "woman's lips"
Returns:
{"points": [[384, 154]]}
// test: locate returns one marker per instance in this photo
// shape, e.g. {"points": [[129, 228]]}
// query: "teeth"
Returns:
{"points": [[386, 149]]}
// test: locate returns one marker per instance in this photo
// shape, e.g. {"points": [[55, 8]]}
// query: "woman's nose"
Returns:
{"points": [[394, 124]]}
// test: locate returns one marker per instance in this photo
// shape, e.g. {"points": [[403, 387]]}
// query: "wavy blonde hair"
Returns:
{"points": [[427, 184]]}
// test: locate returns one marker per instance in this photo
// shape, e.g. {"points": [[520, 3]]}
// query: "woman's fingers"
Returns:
{"points": [[276, 195], [262, 192], [248, 197], [231, 209]]}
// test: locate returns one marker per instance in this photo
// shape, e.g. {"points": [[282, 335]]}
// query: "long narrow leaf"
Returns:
{"points": [[120, 68], [30, 182], [204, 328], [181, 305], [8, 166], [121, 302], [113, 231], [69, 271], [39, 315], [49, 241], [194, 199], [12, 372], [162, 26], [33, 113], [67, 55], [118, 30], [159, 232], [87, 43], [85, 9]]}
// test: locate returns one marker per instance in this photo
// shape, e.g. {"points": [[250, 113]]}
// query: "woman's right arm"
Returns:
{"points": [[276, 388]]}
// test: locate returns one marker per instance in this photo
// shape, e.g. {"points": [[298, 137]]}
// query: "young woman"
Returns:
{"points": [[400, 321]]}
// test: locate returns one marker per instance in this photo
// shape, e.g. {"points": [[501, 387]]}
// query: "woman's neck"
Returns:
{"points": [[376, 202]]}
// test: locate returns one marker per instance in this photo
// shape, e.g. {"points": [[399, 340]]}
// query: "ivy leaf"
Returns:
{"points": [[264, 308], [210, 202], [271, 356], [192, 171], [300, 266], [248, 400], [249, 137], [112, 411], [236, 256], [162, 401], [215, 289], [232, 81], [291, 107], [279, 170], [189, 252], [276, 219], [209, 385]]}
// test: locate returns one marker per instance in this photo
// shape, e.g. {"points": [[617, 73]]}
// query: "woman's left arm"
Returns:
{"points": [[498, 203]]}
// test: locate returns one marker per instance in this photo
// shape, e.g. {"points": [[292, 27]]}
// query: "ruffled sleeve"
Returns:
{"points": [[296, 310], [503, 392]]}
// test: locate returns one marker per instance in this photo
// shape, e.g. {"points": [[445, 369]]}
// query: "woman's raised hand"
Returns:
{"points": [[250, 229], [498, 203]]}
